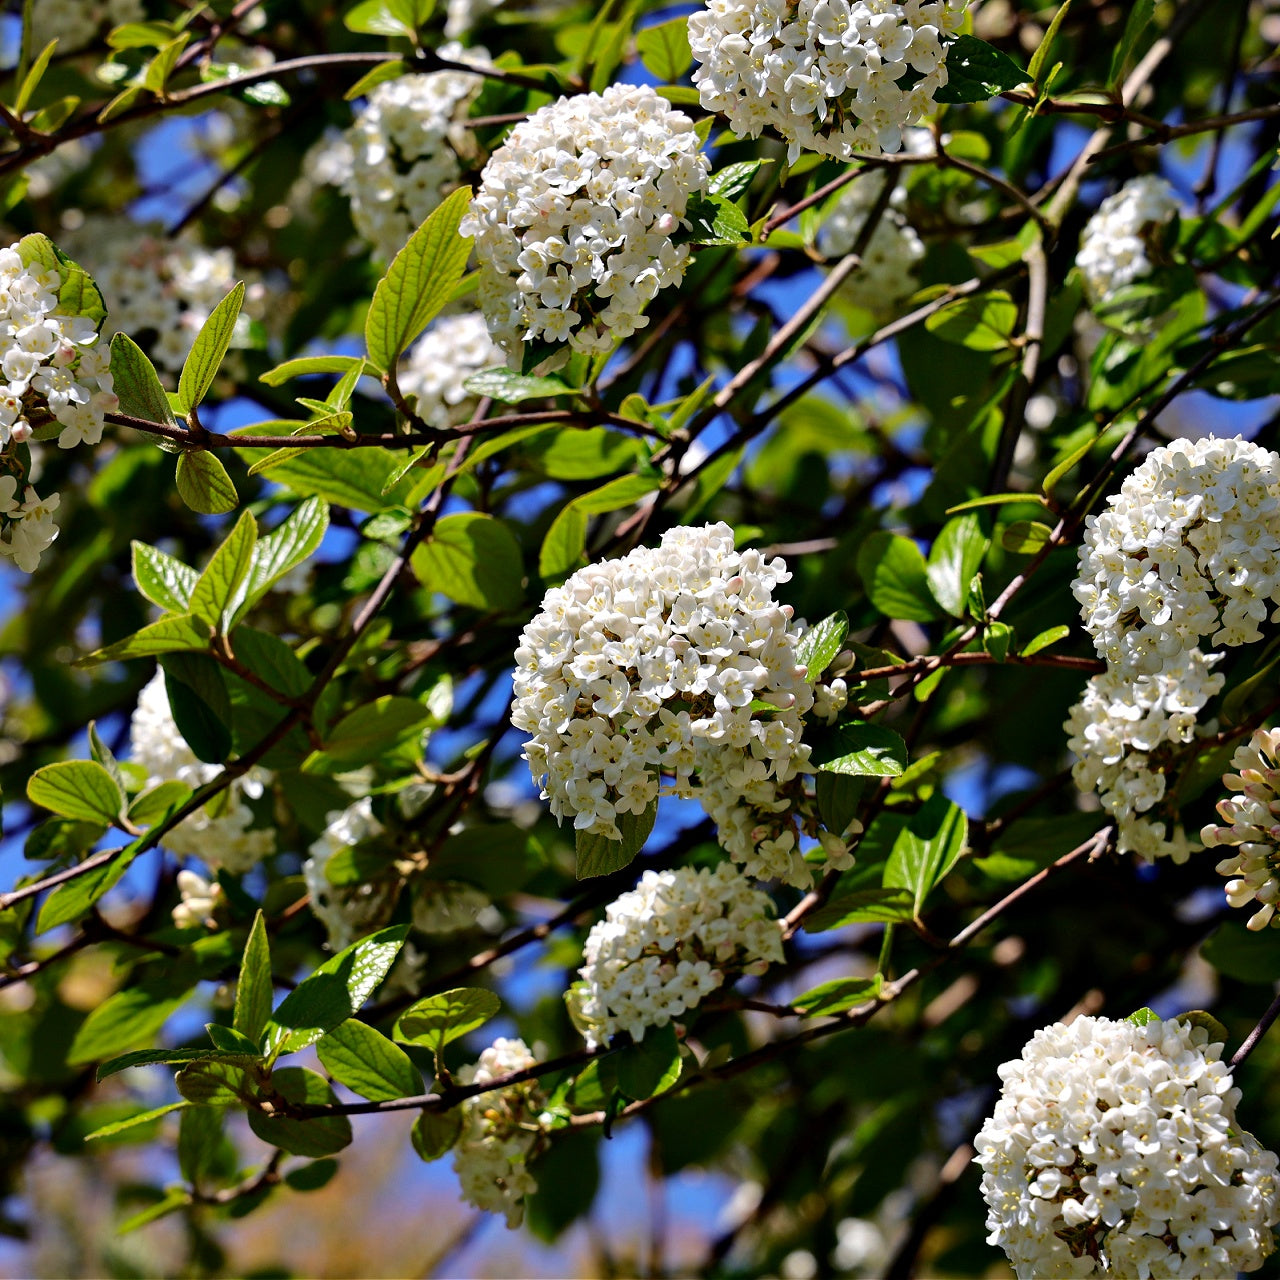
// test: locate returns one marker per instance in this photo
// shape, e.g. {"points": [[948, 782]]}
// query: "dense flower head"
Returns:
{"points": [[406, 149], [77, 23], [1114, 1150], [162, 288], [574, 216], [502, 1131], [54, 373], [1113, 248], [441, 361], [1189, 547], [887, 272], [1127, 733], [667, 944], [221, 834], [832, 76], [1251, 821], [635, 663], [347, 911]]}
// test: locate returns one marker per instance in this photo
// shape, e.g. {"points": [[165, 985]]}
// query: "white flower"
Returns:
{"points": [[574, 214], [1113, 248], [200, 899], [667, 944], [887, 273], [1189, 547], [502, 1131], [351, 910], [221, 833], [832, 76], [1127, 732], [404, 152], [439, 363], [161, 289], [1114, 1150], [1252, 820]]}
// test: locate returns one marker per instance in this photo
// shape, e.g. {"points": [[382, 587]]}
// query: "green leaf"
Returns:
{"points": [[369, 732], [838, 796], [1025, 537], [714, 220], [226, 1080], [583, 454], [253, 987], [321, 1136], [435, 1132], [1045, 639], [1247, 955], [62, 838], [734, 179], [892, 569], [157, 72], [204, 485], [418, 282], [229, 1040], [509, 387], [956, 556], [205, 357], [304, 365], [597, 855], [664, 49], [143, 1117], [218, 586], [1141, 1017], [137, 384], [927, 848], [155, 1057], [1141, 13], [860, 749], [474, 559], [1041, 55], [287, 545], [313, 1176], [838, 995], [1056, 474], [78, 296], [31, 81], [154, 806], [441, 1019], [200, 704], [174, 1199], [80, 789], [162, 578], [650, 1067], [995, 500], [356, 478], [134, 1014], [381, 73], [820, 645], [176, 633], [369, 1064], [562, 548], [199, 1141], [985, 322], [388, 17], [861, 907], [270, 659], [996, 639], [977, 71], [333, 993]]}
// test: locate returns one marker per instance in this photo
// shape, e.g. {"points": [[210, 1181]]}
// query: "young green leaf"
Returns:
{"points": [[860, 748], [1025, 537], [863, 906], [473, 559], [137, 384], [893, 570], [664, 49], [162, 578], [199, 1141], [369, 1064], [1045, 48], [435, 1132], [418, 282], [510, 387], [80, 789], [70, 901], [176, 633], [253, 988], [333, 993], [837, 996], [439, 1020], [31, 81], [218, 586], [1045, 639], [820, 645], [122, 1020], [205, 357], [133, 1122], [286, 546], [204, 485], [927, 848]]}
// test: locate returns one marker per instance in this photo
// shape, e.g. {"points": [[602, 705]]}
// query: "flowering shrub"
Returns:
{"points": [[571, 247], [441, 361], [1114, 1150]]}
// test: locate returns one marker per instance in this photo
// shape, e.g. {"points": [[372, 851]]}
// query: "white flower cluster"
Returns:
{"points": [[407, 146], [162, 289], [574, 217], [348, 912], [200, 898], [832, 76], [53, 370], [77, 23], [663, 947], [443, 359], [649, 665], [887, 273], [1113, 248], [1127, 733], [502, 1131], [1114, 1150], [221, 833], [1252, 821], [1189, 547]]}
